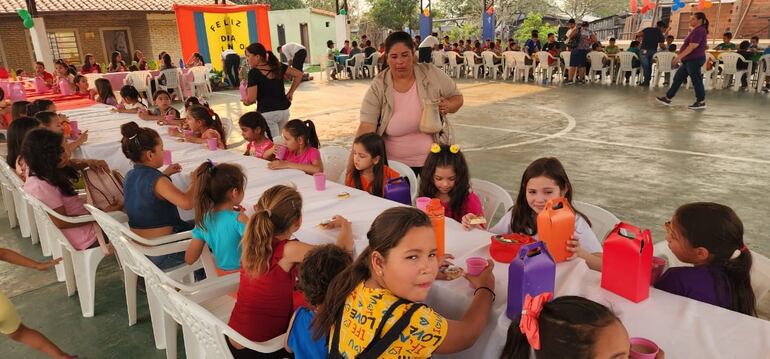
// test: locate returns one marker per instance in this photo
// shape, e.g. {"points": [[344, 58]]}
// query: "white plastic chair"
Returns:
{"points": [[227, 125], [209, 333], [453, 68], [92, 79], [200, 86], [543, 69], [597, 60], [173, 82], [406, 171], [159, 246], [371, 67], [730, 70], [492, 197], [626, 59], [509, 64], [7, 189], [602, 220], [22, 211], [488, 59], [79, 265], [564, 55], [141, 82], [763, 69], [709, 74], [437, 58], [211, 293], [663, 65], [335, 160], [522, 68], [327, 68], [357, 62], [469, 60]]}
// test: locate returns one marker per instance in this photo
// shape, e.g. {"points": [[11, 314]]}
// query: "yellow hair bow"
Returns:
{"points": [[436, 148]]}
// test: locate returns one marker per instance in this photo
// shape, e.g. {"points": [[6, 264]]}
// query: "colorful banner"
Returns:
{"points": [[212, 29], [488, 26]]}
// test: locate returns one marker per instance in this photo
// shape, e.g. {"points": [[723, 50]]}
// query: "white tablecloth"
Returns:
{"points": [[684, 328]]}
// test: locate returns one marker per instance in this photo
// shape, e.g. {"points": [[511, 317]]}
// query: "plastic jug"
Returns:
{"points": [[397, 190], [16, 92], [65, 87], [555, 227], [242, 89], [627, 262], [435, 212], [40, 85], [532, 272]]}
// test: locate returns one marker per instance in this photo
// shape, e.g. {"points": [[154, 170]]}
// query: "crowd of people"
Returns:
{"points": [[312, 292]]}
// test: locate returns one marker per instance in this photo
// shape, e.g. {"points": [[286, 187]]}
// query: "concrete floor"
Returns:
{"points": [[622, 151]]}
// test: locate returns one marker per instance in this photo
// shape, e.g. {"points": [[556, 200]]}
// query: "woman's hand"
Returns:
{"points": [[41, 266], [443, 106], [278, 165], [172, 169], [485, 279], [290, 96]]}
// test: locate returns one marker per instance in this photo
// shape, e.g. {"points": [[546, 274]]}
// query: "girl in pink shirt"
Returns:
{"points": [[205, 122], [50, 181], [301, 143], [256, 131], [445, 176]]}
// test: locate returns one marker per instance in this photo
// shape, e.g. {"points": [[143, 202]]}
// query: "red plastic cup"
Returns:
{"points": [[166, 157], [643, 349], [320, 181], [280, 153], [658, 265], [212, 143]]}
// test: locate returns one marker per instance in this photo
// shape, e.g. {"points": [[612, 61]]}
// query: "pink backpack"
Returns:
{"points": [[103, 189]]}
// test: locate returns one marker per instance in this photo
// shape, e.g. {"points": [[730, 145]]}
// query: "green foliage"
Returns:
{"points": [[466, 31], [275, 4], [394, 14], [534, 22]]}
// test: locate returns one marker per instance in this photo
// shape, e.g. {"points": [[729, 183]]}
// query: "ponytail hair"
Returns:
{"points": [[374, 145], [254, 120], [718, 229], [136, 140], [703, 20], [279, 208], [215, 183], [210, 119], [304, 129], [386, 232], [272, 61], [567, 324]]}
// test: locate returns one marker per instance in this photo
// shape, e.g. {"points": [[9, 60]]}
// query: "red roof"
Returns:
{"points": [[43, 6]]}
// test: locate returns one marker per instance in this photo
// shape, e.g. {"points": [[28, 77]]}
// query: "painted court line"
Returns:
{"points": [[571, 123]]}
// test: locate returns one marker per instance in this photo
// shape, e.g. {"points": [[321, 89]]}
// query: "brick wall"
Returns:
{"points": [[16, 44], [150, 33], [716, 28], [757, 20]]}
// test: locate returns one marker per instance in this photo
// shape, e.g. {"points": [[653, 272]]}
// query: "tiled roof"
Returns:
{"points": [[43, 6]]}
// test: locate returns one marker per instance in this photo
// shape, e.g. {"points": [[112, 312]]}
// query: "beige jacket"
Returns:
{"points": [[377, 107]]}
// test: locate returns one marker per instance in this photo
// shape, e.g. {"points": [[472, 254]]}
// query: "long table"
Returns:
{"points": [[684, 328]]}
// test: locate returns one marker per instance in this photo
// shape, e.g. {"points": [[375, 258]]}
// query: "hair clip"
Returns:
{"points": [[212, 166], [435, 148], [744, 248], [454, 149]]}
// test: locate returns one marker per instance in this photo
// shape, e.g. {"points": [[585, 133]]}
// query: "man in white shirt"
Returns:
{"points": [[427, 46], [231, 61], [295, 54]]}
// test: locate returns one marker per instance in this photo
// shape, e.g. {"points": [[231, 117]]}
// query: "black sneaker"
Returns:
{"points": [[568, 82], [698, 105], [664, 100]]}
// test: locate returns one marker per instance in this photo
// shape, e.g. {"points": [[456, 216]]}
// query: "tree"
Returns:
{"points": [[274, 4], [577, 9], [394, 14], [534, 22], [328, 5]]}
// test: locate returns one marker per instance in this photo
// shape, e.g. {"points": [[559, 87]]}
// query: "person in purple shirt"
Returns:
{"points": [[692, 57], [710, 237]]}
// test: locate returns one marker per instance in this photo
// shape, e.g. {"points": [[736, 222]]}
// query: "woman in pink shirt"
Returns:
{"points": [[50, 181], [393, 105]]}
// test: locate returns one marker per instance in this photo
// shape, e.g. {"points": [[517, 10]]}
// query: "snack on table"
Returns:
{"points": [[325, 223], [478, 220], [343, 195]]}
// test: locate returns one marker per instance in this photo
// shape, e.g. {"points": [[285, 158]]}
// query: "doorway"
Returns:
{"points": [[305, 39]]}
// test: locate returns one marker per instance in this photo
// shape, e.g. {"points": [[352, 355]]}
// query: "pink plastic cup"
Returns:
{"points": [[320, 181], [212, 143], [280, 153], [172, 131], [421, 203], [170, 117], [475, 265], [188, 133], [74, 126], [658, 265], [643, 349], [166, 157]]}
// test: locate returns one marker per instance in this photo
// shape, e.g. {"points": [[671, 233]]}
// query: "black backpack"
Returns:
{"points": [[378, 345]]}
